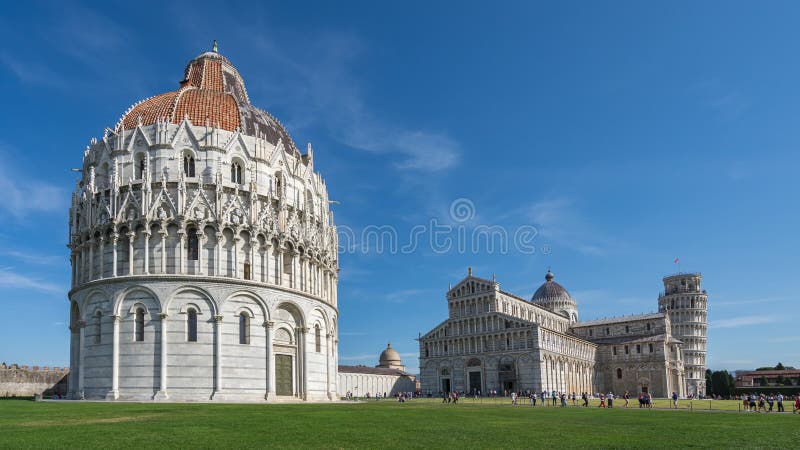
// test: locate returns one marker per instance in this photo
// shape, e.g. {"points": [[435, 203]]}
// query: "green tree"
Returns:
{"points": [[762, 381], [787, 382], [779, 367], [709, 383], [723, 382]]}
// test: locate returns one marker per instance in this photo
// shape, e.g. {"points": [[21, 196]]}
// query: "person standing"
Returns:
{"points": [[627, 398], [513, 398], [585, 398], [602, 401], [675, 400], [610, 398], [780, 402], [771, 401], [796, 404]]}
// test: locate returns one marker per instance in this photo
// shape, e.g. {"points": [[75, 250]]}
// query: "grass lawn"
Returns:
{"points": [[419, 424]]}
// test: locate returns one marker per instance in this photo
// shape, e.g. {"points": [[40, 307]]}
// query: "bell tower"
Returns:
{"points": [[687, 306]]}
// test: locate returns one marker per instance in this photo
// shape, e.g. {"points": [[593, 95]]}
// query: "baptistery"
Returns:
{"points": [[204, 253]]}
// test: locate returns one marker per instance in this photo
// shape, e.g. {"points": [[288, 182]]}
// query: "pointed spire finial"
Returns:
{"points": [[214, 47], [469, 271]]}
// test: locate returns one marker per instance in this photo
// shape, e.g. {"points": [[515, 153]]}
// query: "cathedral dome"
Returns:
{"points": [[550, 291], [212, 93]]}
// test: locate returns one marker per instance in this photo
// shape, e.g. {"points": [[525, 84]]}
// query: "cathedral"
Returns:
{"points": [[493, 340], [203, 252]]}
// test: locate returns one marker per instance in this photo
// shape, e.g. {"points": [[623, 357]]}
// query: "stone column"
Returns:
{"points": [[268, 327], [162, 391], [303, 334], [264, 268], [74, 343], [163, 233], [236, 240], [81, 355], [146, 270], [131, 235], [279, 270], [201, 243], [218, 255], [182, 250], [114, 255], [91, 259], [217, 358], [113, 394], [330, 369], [102, 256]]}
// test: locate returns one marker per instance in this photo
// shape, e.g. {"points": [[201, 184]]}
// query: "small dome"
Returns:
{"points": [[550, 291], [211, 93], [389, 357]]}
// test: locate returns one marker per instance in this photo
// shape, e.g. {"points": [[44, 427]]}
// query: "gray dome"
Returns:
{"points": [[550, 291]]}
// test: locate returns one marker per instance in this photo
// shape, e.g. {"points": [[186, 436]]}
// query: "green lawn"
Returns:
{"points": [[420, 424]]}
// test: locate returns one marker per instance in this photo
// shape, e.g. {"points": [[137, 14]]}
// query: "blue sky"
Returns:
{"points": [[626, 133]]}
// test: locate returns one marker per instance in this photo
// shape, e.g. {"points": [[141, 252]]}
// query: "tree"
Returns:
{"points": [[723, 382], [709, 383], [762, 381], [779, 366], [787, 382]]}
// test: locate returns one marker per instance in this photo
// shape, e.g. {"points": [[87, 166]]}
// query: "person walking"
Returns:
{"points": [[563, 399], [796, 404], [610, 398], [602, 401], [585, 399], [532, 398], [627, 398], [675, 400], [513, 398], [554, 394]]}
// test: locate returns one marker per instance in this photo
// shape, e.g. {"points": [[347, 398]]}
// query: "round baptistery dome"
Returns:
{"points": [[204, 253]]}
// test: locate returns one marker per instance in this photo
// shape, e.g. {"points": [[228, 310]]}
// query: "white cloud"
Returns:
{"points": [[12, 280], [35, 258], [734, 322], [559, 220], [314, 78], [20, 199]]}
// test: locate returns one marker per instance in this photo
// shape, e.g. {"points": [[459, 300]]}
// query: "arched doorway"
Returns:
{"points": [[474, 376]]}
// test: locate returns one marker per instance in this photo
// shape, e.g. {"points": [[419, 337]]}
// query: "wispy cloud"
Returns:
{"points": [[559, 220], [35, 258], [734, 322], [317, 84], [13, 280], [32, 196], [31, 72]]}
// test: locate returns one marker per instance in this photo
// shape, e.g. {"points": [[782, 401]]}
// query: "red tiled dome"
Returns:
{"points": [[212, 92]]}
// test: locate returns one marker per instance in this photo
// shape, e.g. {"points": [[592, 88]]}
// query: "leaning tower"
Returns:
{"points": [[687, 306]]}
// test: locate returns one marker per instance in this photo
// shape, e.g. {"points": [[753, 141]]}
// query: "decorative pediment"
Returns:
{"points": [[199, 208], [184, 136], [235, 211], [163, 206]]}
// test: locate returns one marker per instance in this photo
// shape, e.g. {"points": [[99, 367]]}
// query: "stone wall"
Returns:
{"points": [[24, 381]]}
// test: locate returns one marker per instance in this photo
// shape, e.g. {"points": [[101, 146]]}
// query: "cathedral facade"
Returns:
{"points": [[204, 254], [494, 340]]}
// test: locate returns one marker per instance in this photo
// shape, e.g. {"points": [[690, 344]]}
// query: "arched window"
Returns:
{"points": [[139, 325], [188, 165], [650, 347], [627, 328], [192, 247], [140, 162], [97, 327], [619, 374], [648, 327], [278, 184], [244, 328], [191, 325], [247, 271], [236, 173], [317, 339]]}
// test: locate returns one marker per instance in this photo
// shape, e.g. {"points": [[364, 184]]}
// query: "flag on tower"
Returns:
{"points": [[677, 260]]}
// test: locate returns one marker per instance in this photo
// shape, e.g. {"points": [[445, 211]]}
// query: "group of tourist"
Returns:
{"points": [[766, 403]]}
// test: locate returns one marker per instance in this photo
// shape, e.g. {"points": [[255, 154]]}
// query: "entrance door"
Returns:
{"points": [[474, 382], [508, 386], [283, 375], [445, 384]]}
